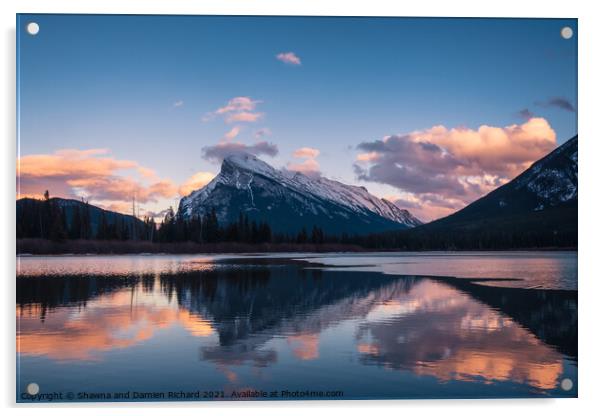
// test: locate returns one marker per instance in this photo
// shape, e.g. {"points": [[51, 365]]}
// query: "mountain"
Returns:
{"points": [[30, 215], [536, 209], [289, 201]]}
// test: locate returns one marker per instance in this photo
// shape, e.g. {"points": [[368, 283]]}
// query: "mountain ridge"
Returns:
{"points": [[550, 181], [538, 208], [254, 187], [27, 210]]}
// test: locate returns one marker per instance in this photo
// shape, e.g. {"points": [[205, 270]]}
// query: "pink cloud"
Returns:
{"points": [[238, 104], [232, 133], [368, 157], [238, 109], [146, 172], [506, 151], [244, 116], [72, 161], [444, 169], [306, 153], [73, 173], [118, 206], [289, 58], [309, 167], [196, 181], [427, 207]]}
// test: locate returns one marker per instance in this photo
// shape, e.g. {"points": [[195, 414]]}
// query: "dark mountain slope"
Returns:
{"points": [[34, 217], [289, 201], [536, 209]]}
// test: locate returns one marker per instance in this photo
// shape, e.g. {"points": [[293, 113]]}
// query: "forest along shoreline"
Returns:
{"points": [[38, 246]]}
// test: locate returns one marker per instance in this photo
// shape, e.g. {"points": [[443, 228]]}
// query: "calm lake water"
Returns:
{"points": [[341, 326]]}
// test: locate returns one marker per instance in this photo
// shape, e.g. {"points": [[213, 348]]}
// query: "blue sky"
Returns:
{"points": [[144, 87]]}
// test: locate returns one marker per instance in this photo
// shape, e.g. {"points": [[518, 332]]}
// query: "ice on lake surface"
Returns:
{"points": [[363, 326], [548, 270]]}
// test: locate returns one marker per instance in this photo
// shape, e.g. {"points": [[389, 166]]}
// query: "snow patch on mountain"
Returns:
{"points": [[553, 179], [319, 196]]}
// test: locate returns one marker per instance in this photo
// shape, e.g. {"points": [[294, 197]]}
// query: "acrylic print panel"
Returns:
{"points": [[283, 208]]}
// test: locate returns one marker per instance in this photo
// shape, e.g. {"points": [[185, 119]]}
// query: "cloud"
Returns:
{"points": [[525, 114], [92, 173], [232, 133], [178, 103], [116, 188], [427, 206], [147, 172], [306, 153], [289, 58], [196, 181], [238, 104], [238, 109], [309, 166], [558, 102], [448, 168], [218, 152], [158, 216], [125, 207], [263, 132], [119, 206], [244, 117]]}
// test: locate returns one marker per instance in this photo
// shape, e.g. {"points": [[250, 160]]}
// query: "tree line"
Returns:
{"points": [[58, 220], [71, 220], [207, 229], [55, 220]]}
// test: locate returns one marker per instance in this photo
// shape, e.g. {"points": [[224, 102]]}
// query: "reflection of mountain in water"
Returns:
{"points": [[436, 331], [550, 314], [250, 301]]}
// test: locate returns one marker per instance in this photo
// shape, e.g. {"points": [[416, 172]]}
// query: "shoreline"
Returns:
{"points": [[39, 247]]}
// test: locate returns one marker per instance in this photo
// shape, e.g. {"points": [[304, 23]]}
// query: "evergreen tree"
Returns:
{"points": [[57, 227], [86, 222], [75, 230], [317, 235], [302, 236], [210, 228], [103, 232]]}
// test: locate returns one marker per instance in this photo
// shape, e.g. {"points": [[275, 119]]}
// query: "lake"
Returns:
{"points": [[297, 326]]}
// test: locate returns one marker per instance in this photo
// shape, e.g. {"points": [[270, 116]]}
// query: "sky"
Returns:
{"points": [[429, 113]]}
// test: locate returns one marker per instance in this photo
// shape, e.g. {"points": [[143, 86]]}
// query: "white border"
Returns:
{"points": [[590, 164]]}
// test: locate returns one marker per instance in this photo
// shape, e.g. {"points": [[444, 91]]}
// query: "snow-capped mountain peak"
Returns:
{"points": [[291, 200]]}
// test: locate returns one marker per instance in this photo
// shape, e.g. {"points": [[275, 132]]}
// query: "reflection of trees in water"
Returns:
{"points": [[312, 303], [48, 293], [244, 301], [205, 284], [147, 283], [250, 300]]}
